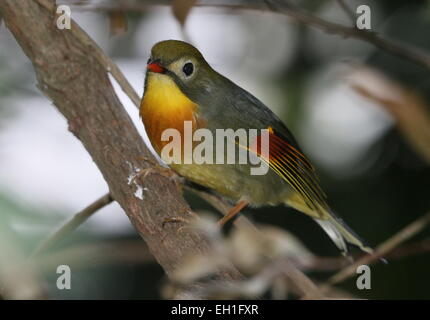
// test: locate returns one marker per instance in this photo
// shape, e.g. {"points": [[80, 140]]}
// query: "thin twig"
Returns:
{"points": [[347, 10], [408, 108], [90, 255], [336, 263], [384, 248], [401, 50], [398, 49], [111, 67], [408, 250], [71, 225]]}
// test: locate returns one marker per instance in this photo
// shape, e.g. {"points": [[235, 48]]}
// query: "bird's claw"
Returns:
{"points": [[175, 220], [163, 171]]}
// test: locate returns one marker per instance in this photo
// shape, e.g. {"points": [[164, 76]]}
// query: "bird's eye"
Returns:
{"points": [[188, 69], [149, 60]]}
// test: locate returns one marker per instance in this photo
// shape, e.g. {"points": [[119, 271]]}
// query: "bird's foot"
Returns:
{"points": [[178, 219], [157, 169], [181, 219], [151, 161]]}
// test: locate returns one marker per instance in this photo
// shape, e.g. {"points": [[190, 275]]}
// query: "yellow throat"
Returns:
{"points": [[165, 106]]}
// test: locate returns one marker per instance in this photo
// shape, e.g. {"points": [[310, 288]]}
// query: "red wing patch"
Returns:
{"points": [[293, 166]]}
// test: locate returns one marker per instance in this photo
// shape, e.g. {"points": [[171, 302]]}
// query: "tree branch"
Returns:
{"points": [[69, 72], [350, 13], [284, 7], [398, 49]]}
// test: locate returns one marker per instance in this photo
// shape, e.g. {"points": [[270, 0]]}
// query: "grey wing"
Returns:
{"points": [[250, 112], [286, 158]]}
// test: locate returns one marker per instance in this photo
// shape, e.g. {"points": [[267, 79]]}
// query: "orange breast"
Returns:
{"points": [[164, 106]]}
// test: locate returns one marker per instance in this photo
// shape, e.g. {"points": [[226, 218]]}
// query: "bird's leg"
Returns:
{"points": [[232, 213]]}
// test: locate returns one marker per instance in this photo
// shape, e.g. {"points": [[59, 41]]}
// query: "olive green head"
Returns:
{"points": [[185, 65], [173, 50]]}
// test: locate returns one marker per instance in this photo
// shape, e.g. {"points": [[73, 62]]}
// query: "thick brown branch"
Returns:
{"points": [[69, 72]]}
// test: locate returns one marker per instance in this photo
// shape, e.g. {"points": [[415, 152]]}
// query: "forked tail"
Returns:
{"points": [[336, 229], [342, 235]]}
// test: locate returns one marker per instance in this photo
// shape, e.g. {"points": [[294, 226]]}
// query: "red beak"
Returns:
{"points": [[155, 67]]}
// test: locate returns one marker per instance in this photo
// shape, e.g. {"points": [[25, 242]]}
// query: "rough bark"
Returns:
{"points": [[69, 73]]}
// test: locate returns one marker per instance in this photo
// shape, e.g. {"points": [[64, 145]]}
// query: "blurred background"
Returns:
{"points": [[371, 156]]}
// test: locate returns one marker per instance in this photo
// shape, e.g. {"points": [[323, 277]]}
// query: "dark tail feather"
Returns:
{"points": [[342, 235]]}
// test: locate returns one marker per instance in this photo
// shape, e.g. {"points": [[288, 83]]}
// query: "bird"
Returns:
{"points": [[180, 86]]}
